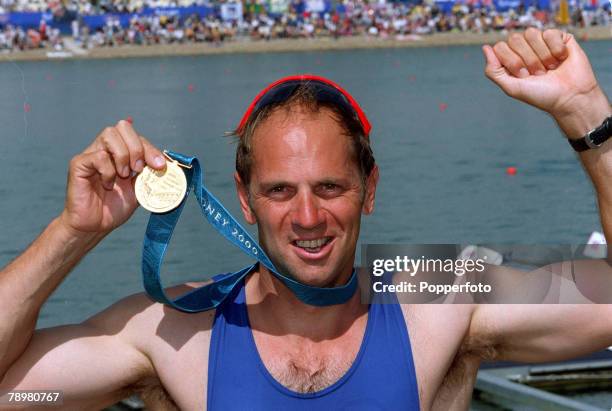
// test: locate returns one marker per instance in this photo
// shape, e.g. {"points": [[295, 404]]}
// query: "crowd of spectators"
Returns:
{"points": [[148, 30], [17, 38], [358, 18], [87, 7]]}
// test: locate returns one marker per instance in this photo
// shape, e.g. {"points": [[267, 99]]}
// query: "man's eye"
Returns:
{"points": [[278, 189], [330, 187]]}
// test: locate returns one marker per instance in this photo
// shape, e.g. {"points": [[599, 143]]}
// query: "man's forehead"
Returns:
{"points": [[306, 141], [299, 124]]}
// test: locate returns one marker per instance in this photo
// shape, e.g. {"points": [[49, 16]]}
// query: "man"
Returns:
{"points": [[301, 178]]}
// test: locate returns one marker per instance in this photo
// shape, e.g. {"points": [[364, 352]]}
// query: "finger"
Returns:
{"points": [[519, 45], [496, 72], [104, 164], [536, 42], [153, 157], [510, 60], [574, 50], [96, 145], [133, 144], [94, 163], [113, 143], [556, 41]]}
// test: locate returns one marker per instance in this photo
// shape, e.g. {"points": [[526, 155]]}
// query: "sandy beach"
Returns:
{"points": [[284, 45]]}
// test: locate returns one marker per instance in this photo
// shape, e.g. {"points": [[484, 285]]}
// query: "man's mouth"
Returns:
{"points": [[312, 246]]}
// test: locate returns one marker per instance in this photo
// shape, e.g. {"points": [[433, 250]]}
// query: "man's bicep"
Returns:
{"points": [[90, 367], [541, 332], [99, 361], [93, 363]]}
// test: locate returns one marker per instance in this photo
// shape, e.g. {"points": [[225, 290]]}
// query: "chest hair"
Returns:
{"points": [[308, 373]]}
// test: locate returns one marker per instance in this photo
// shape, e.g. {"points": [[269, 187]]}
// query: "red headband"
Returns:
{"points": [[254, 106]]}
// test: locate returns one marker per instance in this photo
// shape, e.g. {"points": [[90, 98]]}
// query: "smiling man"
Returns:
{"points": [[305, 175], [307, 194]]}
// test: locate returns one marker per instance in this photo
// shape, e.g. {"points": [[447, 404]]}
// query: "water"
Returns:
{"points": [[442, 171]]}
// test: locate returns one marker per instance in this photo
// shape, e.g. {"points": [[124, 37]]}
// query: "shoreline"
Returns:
{"points": [[283, 45]]}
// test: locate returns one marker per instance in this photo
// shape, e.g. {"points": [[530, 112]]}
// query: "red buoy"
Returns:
{"points": [[511, 171]]}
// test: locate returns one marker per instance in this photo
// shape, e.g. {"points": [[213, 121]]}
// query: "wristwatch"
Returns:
{"points": [[594, 138]]}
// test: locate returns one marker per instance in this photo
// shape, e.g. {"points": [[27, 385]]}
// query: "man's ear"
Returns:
{"points": [[370, 194], [243, 197]]}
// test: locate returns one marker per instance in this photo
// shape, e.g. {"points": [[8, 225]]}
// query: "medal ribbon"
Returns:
{"points": [[158, 234]]}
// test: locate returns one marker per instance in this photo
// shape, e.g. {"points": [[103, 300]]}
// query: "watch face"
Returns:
{"points": [[591, 142], [601, 133], [594, 138]]}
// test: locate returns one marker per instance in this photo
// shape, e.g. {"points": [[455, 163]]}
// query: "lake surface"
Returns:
{"points": [[443, 136]]}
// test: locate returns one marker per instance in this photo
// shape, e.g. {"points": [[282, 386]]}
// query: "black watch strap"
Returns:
{"points": [[594, 138]]}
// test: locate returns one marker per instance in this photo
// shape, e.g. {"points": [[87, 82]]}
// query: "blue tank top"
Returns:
{"points": [[382, 377]]}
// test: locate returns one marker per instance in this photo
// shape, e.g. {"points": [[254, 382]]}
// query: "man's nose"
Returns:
{"points": [[307, 212]]}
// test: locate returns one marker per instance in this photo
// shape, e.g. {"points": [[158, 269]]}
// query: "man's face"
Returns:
{"points": [[306, 195]]}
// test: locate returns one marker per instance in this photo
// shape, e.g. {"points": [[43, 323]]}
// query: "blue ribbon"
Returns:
{"points": [[158, 234]]}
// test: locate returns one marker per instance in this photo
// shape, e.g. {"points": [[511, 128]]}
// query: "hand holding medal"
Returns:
{"points": [[100, 195]]}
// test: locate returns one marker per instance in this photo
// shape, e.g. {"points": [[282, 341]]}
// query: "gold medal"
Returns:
{"points": [[160, 191]]}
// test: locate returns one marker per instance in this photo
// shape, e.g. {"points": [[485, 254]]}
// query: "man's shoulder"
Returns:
{"points": [[143, 322]]}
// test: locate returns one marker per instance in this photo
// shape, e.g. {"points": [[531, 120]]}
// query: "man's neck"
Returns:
{"points": [[274, 309]]}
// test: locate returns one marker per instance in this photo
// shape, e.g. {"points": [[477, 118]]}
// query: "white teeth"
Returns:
{"points": [[312, 243]]}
